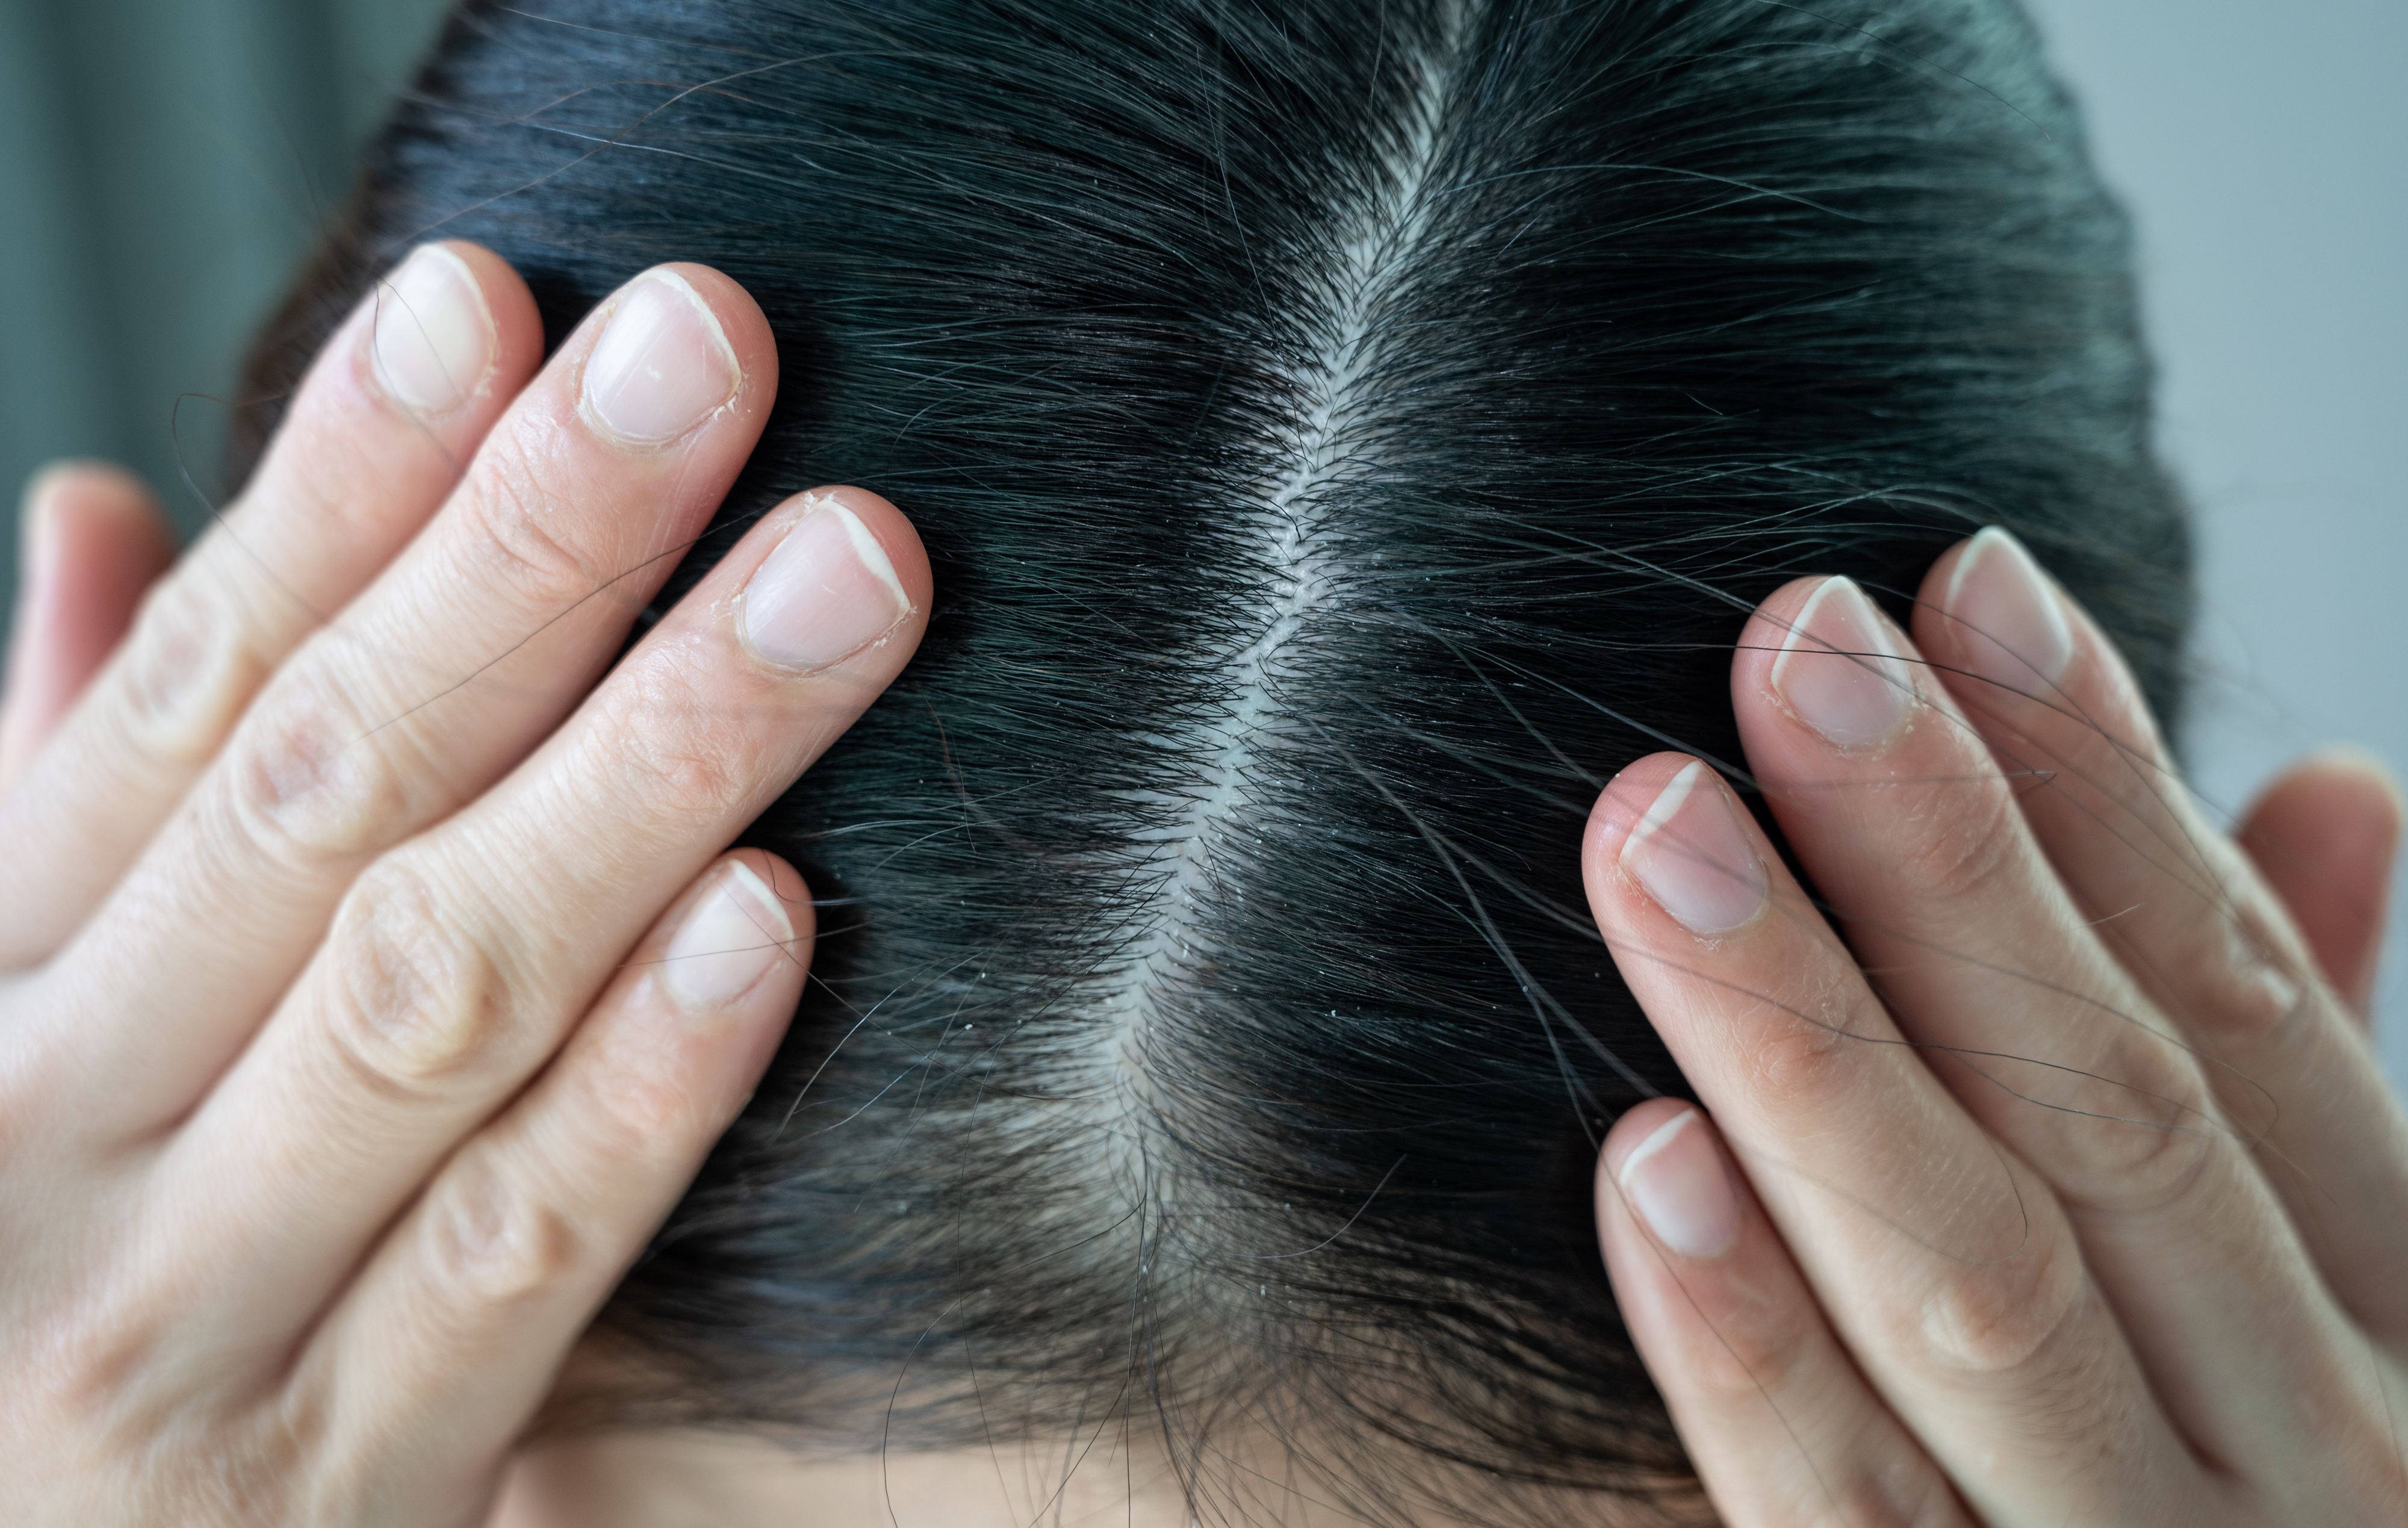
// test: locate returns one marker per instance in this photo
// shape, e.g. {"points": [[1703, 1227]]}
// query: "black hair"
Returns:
{"points": [[1345, 433]]}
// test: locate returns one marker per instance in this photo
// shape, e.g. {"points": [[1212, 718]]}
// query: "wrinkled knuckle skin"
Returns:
{"points": [[1862, 1502], [1802, 1061], [490, 1241], [2142, 1143], [190, 668], [2014, 1321], [1960, 848], [675, 751], [90, 1441], [2241, 983], [514, 531], [417, 1006], [312, 785]]}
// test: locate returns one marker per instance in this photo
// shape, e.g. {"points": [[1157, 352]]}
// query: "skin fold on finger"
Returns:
{"points": [[444, 673], [353, 473], [2324, 834], [1781, 1426], [457, 966], [1918, 848], [1943, 1263], [467, 1310], [93, 541], [2188, 917]]}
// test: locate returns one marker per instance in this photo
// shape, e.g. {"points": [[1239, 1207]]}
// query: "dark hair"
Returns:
{"points": [[1345, 433]]}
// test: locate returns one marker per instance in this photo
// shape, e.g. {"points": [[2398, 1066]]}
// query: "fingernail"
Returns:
{"points": [[823, 593], [2006, 619], [1690, 855], [1676, 1181], [1838, 671], [663, 364], [731, 937], [433, 343]]}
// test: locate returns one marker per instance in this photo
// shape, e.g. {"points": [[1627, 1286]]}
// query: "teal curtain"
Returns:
{"points": [[163, 168]]}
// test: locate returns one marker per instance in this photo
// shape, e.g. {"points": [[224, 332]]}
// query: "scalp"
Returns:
{"points": [[1342, 440]]}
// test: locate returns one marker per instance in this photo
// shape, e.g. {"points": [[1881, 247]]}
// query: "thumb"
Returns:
{"points": [[93, 541], [2324, 834]]}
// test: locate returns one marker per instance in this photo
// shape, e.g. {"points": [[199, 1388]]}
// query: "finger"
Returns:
{"points": [[377, 436], [1907, 824], [457, 965], [467, 650], [2184, 914], [1781, 1426], [2325, 835], [93, 541], [1944, 1265], [464, 1313]]}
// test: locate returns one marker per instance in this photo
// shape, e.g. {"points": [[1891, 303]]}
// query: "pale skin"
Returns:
{"points": [[377, 980]]}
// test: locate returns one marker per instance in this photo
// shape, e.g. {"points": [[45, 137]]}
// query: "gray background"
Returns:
{"points": [[162, 162]]}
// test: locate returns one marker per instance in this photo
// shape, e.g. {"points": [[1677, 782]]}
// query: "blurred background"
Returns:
{"points": [[163, 164]]}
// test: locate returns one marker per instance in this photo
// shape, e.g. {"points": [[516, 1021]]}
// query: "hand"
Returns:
{"points": [[2065, 1190], [374, 982]]}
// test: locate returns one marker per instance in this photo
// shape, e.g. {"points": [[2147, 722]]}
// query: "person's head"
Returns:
{"points": [[1344, 435]]}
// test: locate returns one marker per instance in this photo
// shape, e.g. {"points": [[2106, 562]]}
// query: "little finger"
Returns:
{"points": [[2324, 834], [463, 1316], [1782, 1427]]}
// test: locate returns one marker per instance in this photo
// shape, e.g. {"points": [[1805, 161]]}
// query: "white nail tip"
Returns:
{"points": [[1668, 806], [1663, 1135], [2008, 622], [874, 560]]}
